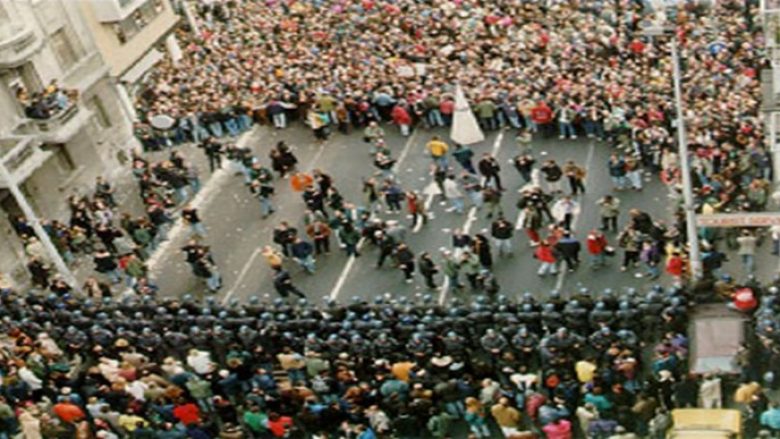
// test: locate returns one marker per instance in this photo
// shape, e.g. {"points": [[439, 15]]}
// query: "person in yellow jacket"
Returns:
{"points": [[438, 150], [272, 257]]}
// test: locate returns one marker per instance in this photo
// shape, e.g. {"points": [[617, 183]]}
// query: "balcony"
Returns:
{"points": [[60, 127], [22, 156], [17, 44]]}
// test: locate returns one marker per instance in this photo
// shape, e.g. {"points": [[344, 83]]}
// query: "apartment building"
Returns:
{"points": [[132, 36], [62, 119]]}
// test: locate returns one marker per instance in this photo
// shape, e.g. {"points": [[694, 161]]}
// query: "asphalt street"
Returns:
{"points": [[236, 232]]}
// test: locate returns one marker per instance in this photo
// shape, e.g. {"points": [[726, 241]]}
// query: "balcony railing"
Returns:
{"points": [[50, 105], [58, 119], [59, 128]]}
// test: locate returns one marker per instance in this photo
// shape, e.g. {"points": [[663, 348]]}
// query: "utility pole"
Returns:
{"points": [[694, 252], [32, 218], [691, 229]]}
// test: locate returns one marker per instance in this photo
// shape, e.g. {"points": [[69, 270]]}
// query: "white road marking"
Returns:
{"points": [[520, 219], [472, 216], [588, 161], [334, 293], [206, 194], [430, 193], [497, 143], [405, 151], [445, 287], [317, 156], [242, 273]]}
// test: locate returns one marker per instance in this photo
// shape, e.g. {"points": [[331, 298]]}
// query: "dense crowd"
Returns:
{"points": [[581, 67], [220, 89], [569, 365], [586, 69], [148, 368]]}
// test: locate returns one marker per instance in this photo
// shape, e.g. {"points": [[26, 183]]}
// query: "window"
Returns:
{"points": [[63, 48], [99, 113], [126, 29], [24, 77], [61, 158], [23, 82]]}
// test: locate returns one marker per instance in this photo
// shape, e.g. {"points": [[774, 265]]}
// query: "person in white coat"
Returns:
{"points": [[710, 394], [454, 194], [29, 377], [200, 362], [565, 210], [31, 425]]}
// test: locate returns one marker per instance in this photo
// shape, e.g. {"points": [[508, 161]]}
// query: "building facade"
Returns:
{"points": [[132, 36], [62, 117]]}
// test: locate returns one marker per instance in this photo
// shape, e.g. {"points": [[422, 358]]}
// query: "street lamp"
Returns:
{"points": [[682, 145], [32, 218]]}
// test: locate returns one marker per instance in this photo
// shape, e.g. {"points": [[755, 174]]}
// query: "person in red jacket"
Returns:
{"points": [[278, 425], [675, 266], [402, 118], [542, 116], [186, 412], [446, 108], [597, 245], [68, 412], [545, 254]]}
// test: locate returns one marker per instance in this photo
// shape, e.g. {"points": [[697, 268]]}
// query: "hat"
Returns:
{"points": [[441, 361], [121, 343]]}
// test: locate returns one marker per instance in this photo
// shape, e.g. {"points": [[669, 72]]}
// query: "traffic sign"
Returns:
{"points": [[744, 219]]}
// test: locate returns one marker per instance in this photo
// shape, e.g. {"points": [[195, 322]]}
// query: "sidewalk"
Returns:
{"points": [[129, 200]]}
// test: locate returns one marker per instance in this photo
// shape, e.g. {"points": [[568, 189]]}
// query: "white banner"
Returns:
{"points": [[465, 129]]}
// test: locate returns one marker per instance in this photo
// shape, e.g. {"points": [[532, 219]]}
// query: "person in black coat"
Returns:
{"points": [[569, 249], [428, 269], [481, 247], [283, 284], [490, 169], [386, 246], [405, 260]]}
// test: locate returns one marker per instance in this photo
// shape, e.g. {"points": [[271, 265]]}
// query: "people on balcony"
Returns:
{"points": [[47, 103]]}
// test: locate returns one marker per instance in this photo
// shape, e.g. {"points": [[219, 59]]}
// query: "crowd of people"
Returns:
{"points": [[576, 66], [394, 367], [568, 365], [569, 50]]}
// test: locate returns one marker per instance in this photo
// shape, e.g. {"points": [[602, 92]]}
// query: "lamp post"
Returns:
{"points": [[40, 233], [694, 252]]}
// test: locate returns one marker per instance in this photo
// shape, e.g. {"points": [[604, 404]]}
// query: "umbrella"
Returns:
{"points": [[162, 121]]}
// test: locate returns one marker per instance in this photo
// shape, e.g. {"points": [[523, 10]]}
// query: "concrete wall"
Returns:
{"points": [[121, 57]]}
